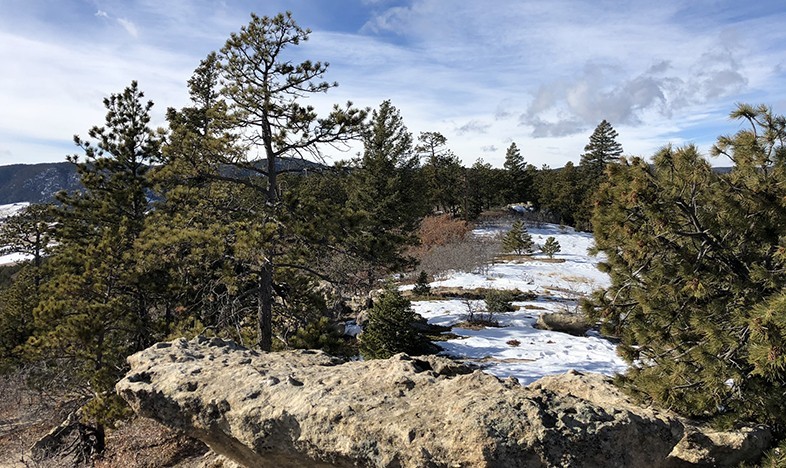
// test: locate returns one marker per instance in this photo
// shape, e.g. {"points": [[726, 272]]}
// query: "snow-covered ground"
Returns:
{"points": [[558, 286], [6, 211]]}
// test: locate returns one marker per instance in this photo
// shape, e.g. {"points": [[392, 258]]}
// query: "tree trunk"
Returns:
{"points": [[265, 307]]}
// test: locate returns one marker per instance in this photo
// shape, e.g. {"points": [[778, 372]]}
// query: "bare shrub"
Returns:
{"points": [[472, 255], [441, 230]]}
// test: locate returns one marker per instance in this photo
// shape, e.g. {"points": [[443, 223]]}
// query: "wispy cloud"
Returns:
{"points": [[542, 74], [129, 26]]}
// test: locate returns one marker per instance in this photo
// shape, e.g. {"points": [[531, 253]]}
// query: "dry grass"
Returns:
{"points": [[26, 415], [144, 443], [513, 258]]}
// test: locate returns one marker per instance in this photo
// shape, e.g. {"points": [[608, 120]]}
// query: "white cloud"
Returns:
{"points": [[129, 26], [542, 74]]}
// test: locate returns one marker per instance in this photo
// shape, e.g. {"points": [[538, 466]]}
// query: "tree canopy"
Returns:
{"points": [[697, 261]]}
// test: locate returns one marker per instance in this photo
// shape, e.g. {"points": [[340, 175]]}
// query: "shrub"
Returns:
{"points": [[319, 334], [551, 247], [441, 230], [389, 330], [422, 287], [517, 240], [499, 301]]}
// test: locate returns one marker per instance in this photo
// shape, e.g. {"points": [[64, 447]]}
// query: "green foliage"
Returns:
{"points": [[601, 150], [94, 309], [562, 194], [17, 302], [385, 194], [389, 329], [697, 269], [422, 287], [518, 177], [28, 232], [551, 246], [320, 334], [484, 188], [442, 171], [517, 240], [499, 301], [264, 99]]}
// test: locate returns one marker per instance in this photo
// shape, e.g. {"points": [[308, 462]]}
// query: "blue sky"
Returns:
{"points": [[484, 73]]}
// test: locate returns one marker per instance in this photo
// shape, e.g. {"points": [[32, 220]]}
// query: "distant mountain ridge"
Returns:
{"points": [[38, 183]]}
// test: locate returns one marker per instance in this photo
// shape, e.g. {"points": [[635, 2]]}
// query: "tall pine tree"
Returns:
{"points": [[95, 309], [602, 149], [386, 192]]}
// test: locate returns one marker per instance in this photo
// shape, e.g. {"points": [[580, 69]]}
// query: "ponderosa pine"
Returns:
{"points": [[698, 270]]}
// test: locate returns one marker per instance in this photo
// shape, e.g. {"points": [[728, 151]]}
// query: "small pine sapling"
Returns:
{"points": [[499, 301], [551, 247], [422, 287], [517, 240], [389, 329]]}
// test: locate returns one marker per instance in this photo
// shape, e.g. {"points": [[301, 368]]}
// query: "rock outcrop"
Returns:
{"points": [[305, 408]]}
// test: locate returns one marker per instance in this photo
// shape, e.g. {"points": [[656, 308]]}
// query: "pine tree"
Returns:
{"points": [[517, 240], [190, 239], [602, 149], [17, 302], [389, 329], [551, 247], [386, 194], [94, 309], [697, 274], [518, 176], [442, 171], [422, 287], [28, 232], [262, 87]]}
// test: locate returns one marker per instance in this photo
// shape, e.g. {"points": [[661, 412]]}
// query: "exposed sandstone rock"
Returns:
{"points": [[566, 322], [305, 408], [720, 448]]}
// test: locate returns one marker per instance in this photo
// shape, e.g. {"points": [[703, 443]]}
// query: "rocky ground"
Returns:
{"points": [[305, 408]]}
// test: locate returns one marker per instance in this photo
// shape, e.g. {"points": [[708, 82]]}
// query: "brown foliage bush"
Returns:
{"points": [[447, 244], [441, 230]]}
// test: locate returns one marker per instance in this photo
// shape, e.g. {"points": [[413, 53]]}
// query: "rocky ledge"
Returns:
{"points": [[306, 408]]}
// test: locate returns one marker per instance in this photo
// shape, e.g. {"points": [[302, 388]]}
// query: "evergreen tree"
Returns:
{"points": [[519, 176], [94, 308], [517, 240], [422, 287], [263, 88], [551, 247], [697, 274], [389, 329], [443, 172], [28, 232], [17, 302], [190, 240], [484, 187], [386, 194], [602, 149], [561, 194]]}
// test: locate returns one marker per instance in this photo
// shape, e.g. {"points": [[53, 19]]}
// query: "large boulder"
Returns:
{"points": [[305, 408]]}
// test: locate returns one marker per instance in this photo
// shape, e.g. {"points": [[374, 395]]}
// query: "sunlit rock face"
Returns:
{"points": [[305, 408]]}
